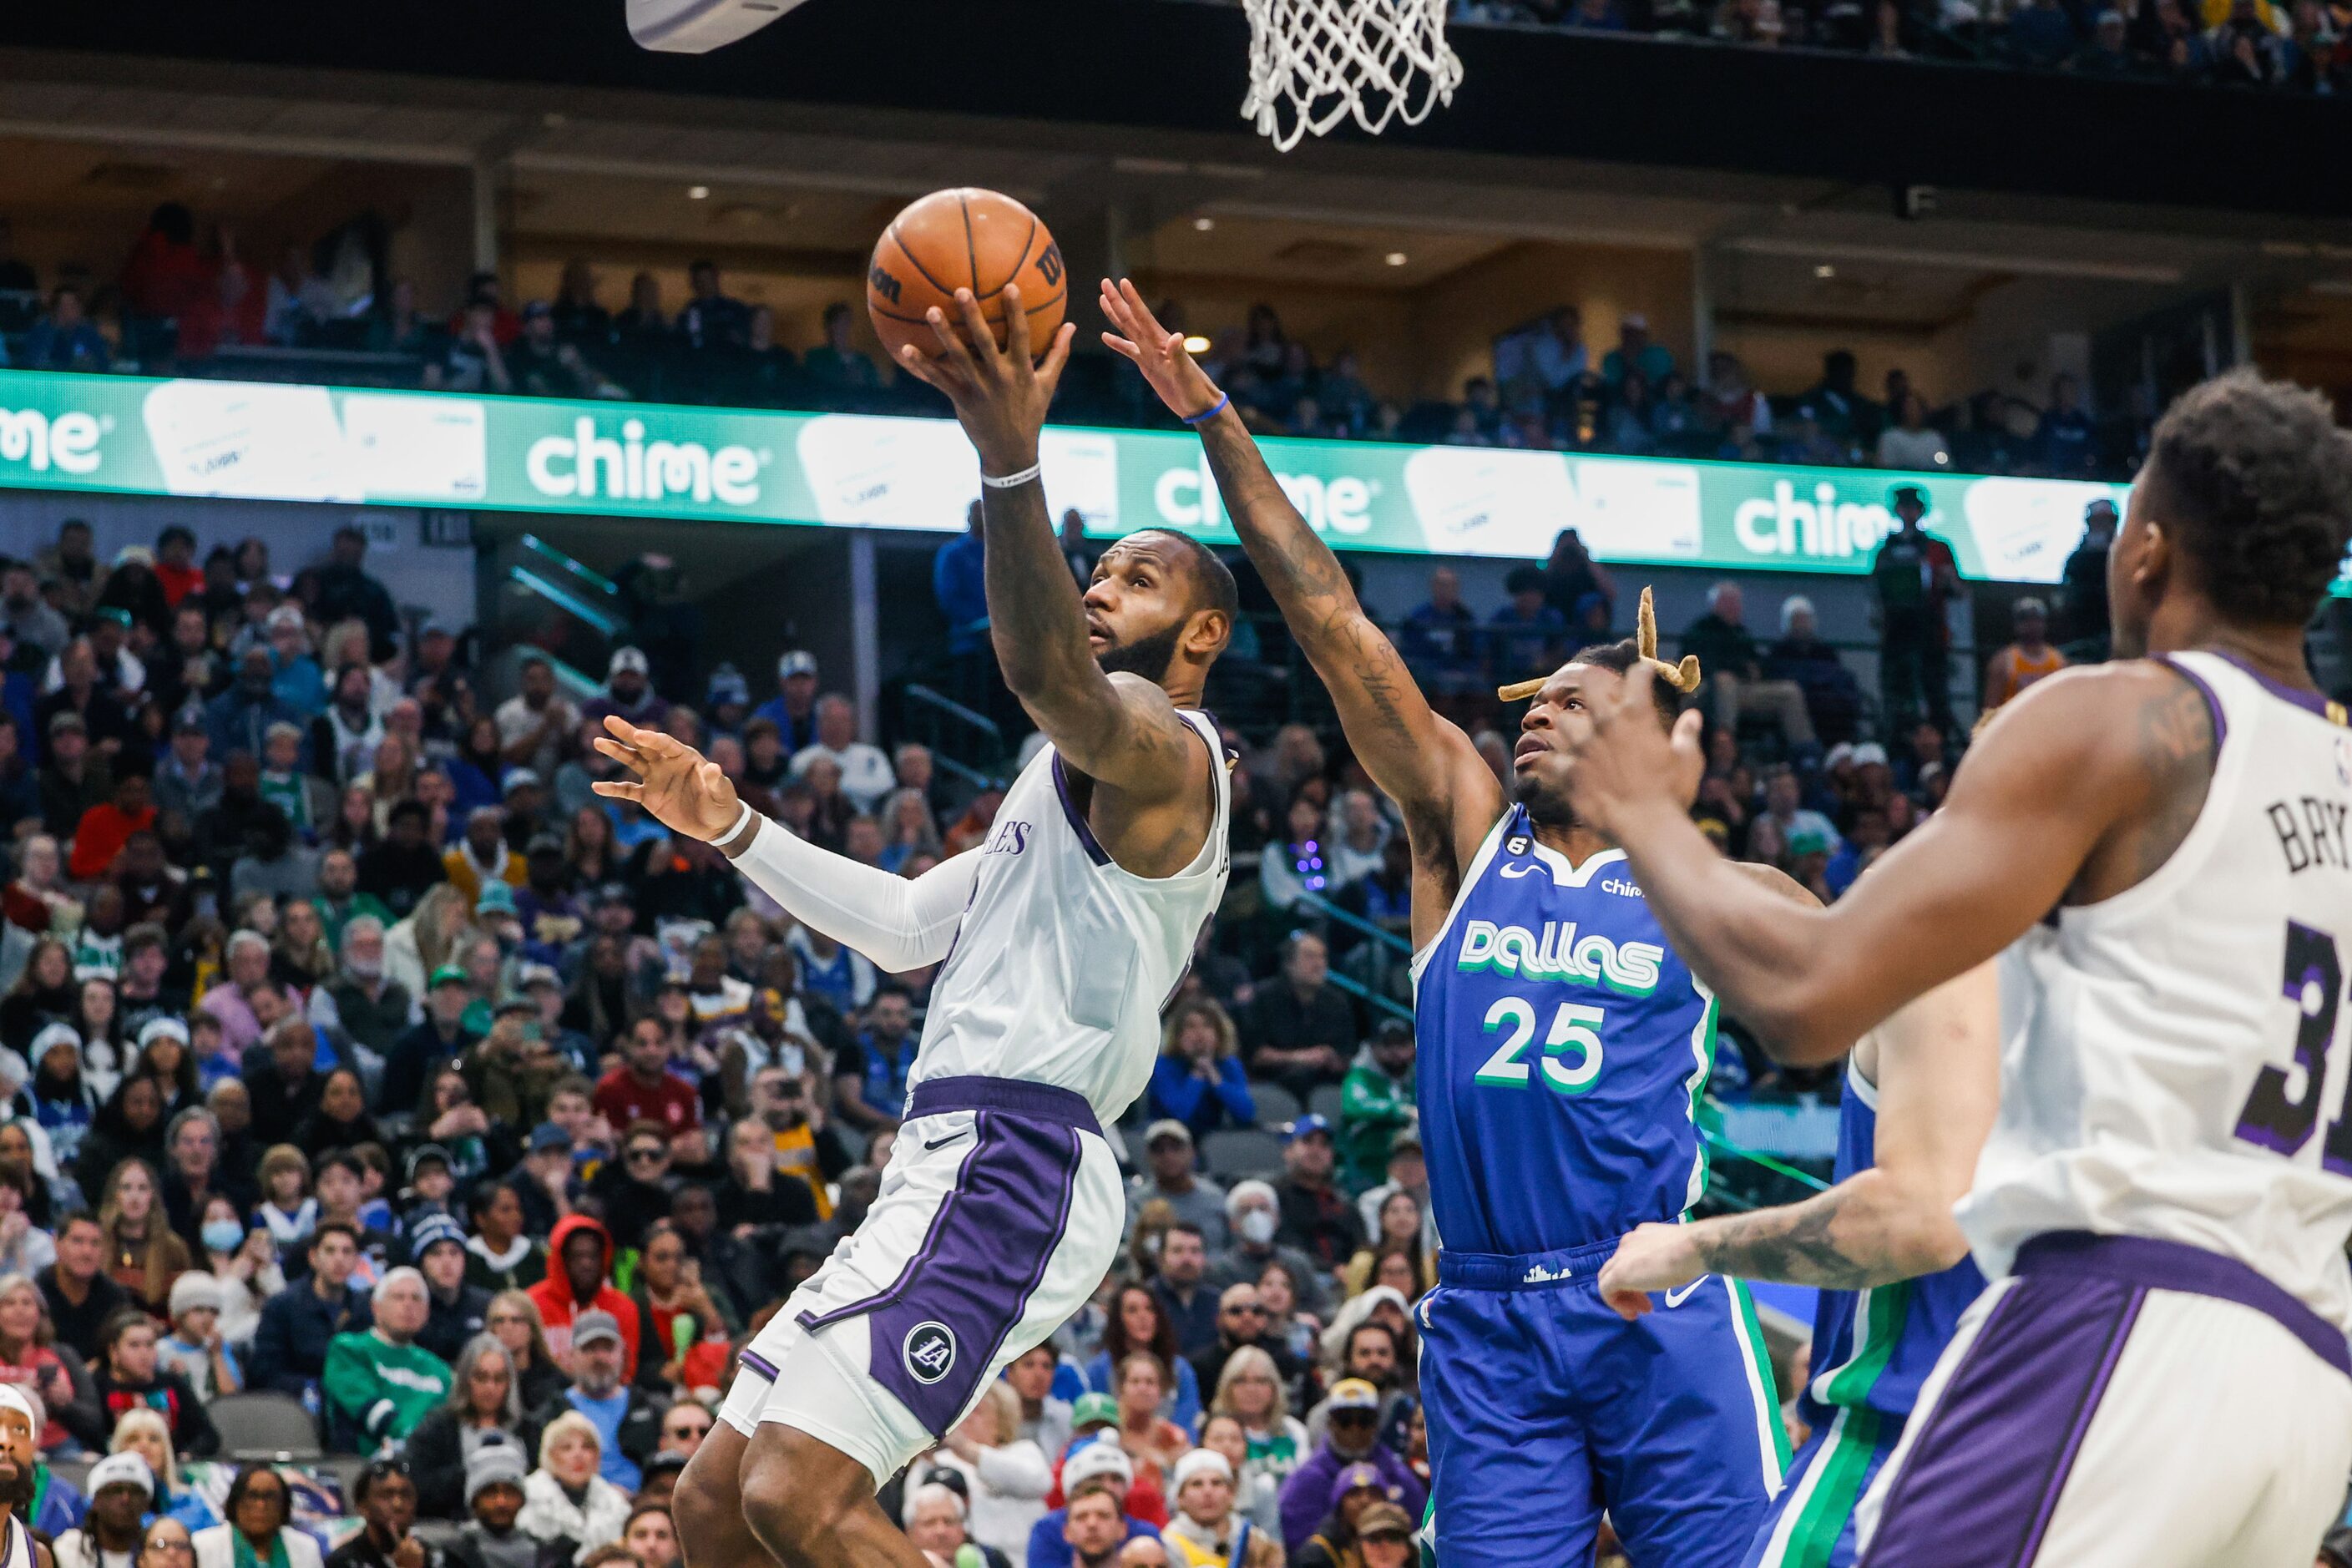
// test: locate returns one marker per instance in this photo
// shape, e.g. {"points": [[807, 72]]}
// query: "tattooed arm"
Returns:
{"points": [[1120, 731], [2079, 789], [1424, 762], [1936, 1068]]}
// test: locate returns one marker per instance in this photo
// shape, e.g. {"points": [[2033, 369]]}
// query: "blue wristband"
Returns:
{"points": [[1196, 420]]}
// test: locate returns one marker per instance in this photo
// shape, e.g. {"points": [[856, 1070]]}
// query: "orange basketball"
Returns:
{"points": [[971, 239]]}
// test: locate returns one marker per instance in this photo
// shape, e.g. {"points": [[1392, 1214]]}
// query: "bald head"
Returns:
{"points": [[1212, 580]]}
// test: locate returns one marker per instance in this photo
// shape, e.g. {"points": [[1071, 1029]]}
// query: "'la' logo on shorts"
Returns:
{"points": [[929, 1352]]}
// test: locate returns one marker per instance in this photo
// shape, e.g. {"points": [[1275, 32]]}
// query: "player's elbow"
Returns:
{"points": [[1928, 1241], [1916, 1218], [1788, 1024]]}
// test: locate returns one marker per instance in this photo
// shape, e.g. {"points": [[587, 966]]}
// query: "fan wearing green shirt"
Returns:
{"points": [[380, 1384], [1375, 1100]]}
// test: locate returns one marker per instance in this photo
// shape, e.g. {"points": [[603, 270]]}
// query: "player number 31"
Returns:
{"points": [[1573, 1028]]}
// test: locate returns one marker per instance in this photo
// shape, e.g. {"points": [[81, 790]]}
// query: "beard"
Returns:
{"points": [[1547, 807], [15, 1483], [1148, 656]]}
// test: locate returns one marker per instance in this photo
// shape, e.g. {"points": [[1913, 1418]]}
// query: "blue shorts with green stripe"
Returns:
{"points": [[1545, 1408], [1810, 1524]]}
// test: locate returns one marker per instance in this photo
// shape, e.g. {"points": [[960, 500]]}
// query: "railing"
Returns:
{"points": [[967, 745], [560, 608], [586, 592], [1368, 996]]}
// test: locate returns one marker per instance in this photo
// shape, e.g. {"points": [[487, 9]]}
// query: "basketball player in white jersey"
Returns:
{"points": [[2161, 850], [18, 1429], [1062, 937]]}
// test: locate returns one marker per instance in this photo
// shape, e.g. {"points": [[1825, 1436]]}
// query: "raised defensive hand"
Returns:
{"points": [[683, 790], [999, 396], [1157, 352]]}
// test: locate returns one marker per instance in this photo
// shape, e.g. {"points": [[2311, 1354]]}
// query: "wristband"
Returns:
{"points": [[1013, 481], [1196, 420], [742, 820]]}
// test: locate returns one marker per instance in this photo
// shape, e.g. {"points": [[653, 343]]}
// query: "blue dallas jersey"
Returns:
{"points": [[1874, 1347], [1563, 1051]]}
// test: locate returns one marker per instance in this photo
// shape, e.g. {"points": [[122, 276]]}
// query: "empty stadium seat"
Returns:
{"points": [[264, 1427], [1236, 1152], [1325, 1102], [1275, 1104]]}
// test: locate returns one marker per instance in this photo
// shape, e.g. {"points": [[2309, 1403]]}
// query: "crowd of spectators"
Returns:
{"points": [[354, 1051], [2294, 46], [181, 304]]}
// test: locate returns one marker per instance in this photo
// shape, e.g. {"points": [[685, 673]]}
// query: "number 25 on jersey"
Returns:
{"points": [[1575, 1028]]}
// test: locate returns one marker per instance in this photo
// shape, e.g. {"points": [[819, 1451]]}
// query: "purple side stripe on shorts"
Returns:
{"points": [[1985, 1473], [932, 1335], [760, 1365]]}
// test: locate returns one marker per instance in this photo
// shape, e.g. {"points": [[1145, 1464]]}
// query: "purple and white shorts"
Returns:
{"points": [[1001, 1212], [2121, 1402]]}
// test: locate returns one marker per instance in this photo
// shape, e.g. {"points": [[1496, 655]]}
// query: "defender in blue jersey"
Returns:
{"points": [[1563, 1048], [1882, 1245]]}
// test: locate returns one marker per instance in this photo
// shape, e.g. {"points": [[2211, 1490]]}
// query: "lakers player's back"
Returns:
{"points": [[2172, 1065]]}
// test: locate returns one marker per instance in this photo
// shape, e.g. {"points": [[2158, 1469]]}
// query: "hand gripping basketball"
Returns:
{"points": [[1000, 397]]}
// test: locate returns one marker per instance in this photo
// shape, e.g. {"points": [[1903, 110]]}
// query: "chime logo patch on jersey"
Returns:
{"points": [[929, 1352], [1557, 952]]}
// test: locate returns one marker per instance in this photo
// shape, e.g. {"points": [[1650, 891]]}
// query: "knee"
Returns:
{"points": [[705, 1509], [790, 1500]]}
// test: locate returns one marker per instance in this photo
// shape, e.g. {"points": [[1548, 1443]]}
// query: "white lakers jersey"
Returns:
{"points": [[1064, 958], [2175, 1061]]}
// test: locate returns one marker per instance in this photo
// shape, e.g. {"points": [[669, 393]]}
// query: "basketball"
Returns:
{"points": [[964, 238]]}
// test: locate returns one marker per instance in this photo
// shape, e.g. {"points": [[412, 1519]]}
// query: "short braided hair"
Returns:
{"points": [[2255, 479]]}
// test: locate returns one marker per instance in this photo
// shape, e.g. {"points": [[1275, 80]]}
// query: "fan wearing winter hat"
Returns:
{"points": [[490, 1539], [1093, 1465], [194, 1347], [121, 1487], [1204, 1530], [455, 1309]]}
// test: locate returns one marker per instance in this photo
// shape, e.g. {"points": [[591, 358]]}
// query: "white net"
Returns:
{"points": [[1314, 63]]}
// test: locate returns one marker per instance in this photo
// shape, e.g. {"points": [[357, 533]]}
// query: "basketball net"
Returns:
{"points": [[1314, 63]]}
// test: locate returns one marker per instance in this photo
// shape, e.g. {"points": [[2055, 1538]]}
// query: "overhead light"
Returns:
{"points": [[1195, 343], [697, 192], [1398, 258], [1825, 272], [1203, 225]]}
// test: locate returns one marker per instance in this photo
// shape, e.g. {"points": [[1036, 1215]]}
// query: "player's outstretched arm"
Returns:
{"points": [[2087, 762], [1421, 761], [1938, 1072], [898, 923], [1119, 731]]}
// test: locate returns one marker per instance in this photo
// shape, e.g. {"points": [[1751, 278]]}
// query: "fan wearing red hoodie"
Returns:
{"points": [[579, 1279]]}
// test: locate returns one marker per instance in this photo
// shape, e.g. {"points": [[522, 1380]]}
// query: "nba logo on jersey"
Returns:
{"points": [[930, 1350], [2344, 760]]}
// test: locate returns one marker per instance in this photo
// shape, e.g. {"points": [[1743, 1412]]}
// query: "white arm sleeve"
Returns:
{"points": [[898, 923]]}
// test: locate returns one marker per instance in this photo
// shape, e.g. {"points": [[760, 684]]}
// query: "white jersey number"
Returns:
{"points": [[1574, 1025]]}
